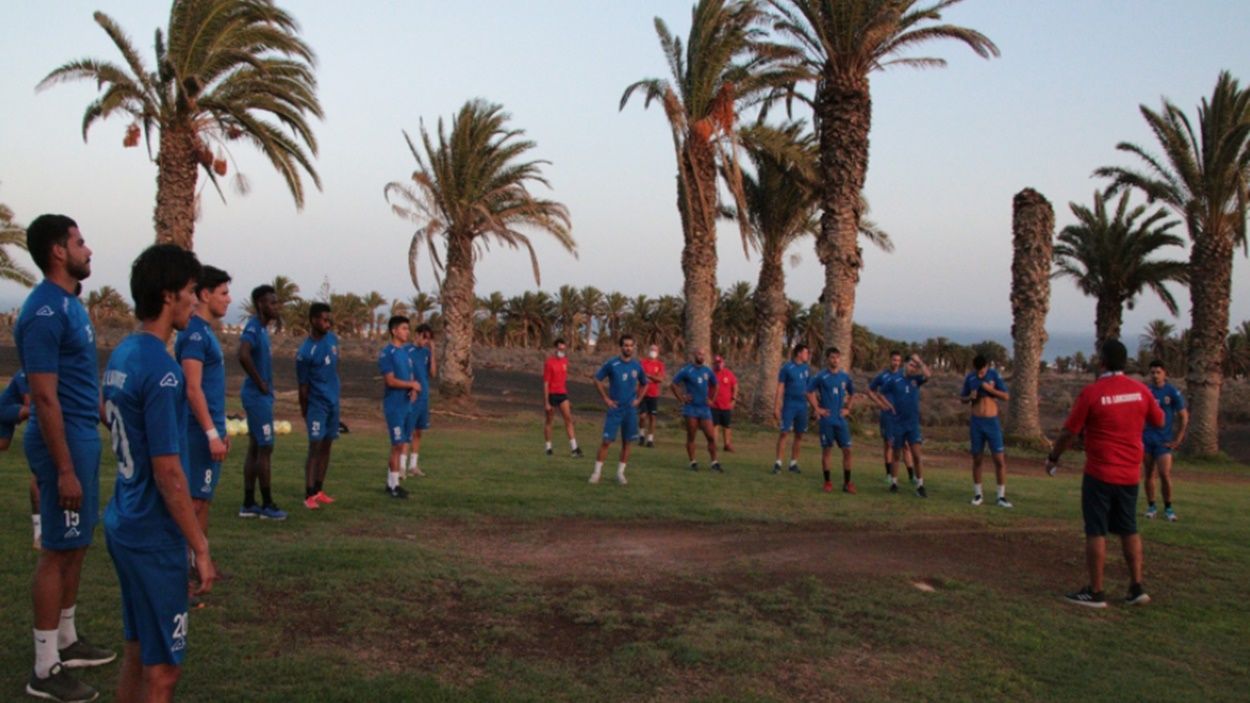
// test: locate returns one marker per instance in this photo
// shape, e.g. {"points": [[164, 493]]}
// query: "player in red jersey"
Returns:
{"points": [[556, 396], [653, 366], [1112, 412], [724, 401]]}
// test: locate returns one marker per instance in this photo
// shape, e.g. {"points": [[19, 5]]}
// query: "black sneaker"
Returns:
{"points": [[650, 444], [397, 492], [776, 468], [694, 466], [1087, 597], [1136, 595], [794, 469], [894, 488], [577, 453], [82, 654], [548, 451], [716, 467], [60, 685], [921, 493]]}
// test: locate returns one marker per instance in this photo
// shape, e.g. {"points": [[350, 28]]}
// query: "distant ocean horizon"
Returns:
{"points": [[1060, 343]]}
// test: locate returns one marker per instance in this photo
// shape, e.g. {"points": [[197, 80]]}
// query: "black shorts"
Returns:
{"points": [[649, 405], [555, 400], [722, 418], [1108, 508]]}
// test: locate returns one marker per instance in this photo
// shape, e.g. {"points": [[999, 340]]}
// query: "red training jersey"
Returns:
{"points": [[1113, 411], [653, 367], [726, 384], [556, 375]]}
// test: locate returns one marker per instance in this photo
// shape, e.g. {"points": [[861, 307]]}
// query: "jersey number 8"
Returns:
{"points": [[121, 445]]}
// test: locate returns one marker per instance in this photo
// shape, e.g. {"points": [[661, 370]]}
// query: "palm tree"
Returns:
{"points": [[494, 305], [839, 44], [735, 318], [592, 312], [529, 315], [106, 305], [1109, 259], [1239, 350], [723, 63], [421, 305], [221, 67], [12, 235], [1157, 337], [1202, 176], [469, 189], [372, 301], [615, 305], [1032, 241], [569, 313]]}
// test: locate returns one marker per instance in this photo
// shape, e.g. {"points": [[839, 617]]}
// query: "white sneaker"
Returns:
{"points": [[978, 499], [620, 478], [1004, 503], [594, 478], [415, 471]]}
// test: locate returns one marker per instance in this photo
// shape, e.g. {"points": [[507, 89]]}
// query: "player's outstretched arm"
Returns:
{"points": [[172, 484]]}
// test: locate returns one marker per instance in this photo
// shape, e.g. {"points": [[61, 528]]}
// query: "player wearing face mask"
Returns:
{"points": [[653, 367], [556, 396]]}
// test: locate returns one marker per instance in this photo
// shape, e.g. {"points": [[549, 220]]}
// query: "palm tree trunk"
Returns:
{"points": [[771, 309], [1108, 319], [1033, 232], [177, 168], [456, 366], [1212, 262], [698, 256], [844, 110]]}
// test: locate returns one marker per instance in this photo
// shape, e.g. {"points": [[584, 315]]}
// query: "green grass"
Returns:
{"points": [[438, 599]]}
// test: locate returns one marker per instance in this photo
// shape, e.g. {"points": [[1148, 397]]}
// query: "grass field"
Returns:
{"points": [[507, 577]]}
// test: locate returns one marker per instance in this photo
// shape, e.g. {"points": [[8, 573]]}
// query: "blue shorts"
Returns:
{"points": [[1155, 446], [259, 411], [154, 600], [419, 416], [6, 430], [322, 421], [906, 433], [398, 422], [699, 412], [835, 431], [202, 472], [983, 431], [623, 420], [886, 425], [794, 418], [65, 530]]}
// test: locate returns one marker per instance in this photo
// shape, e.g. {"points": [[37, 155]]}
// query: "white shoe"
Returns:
{"points": [[415, 471], [978, 499], [620, 478], [594, 478], [1004, 503]]}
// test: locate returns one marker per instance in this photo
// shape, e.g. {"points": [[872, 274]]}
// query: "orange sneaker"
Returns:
{"points": [[848, 487], [322, 498], [311, 503], [828, 486]]}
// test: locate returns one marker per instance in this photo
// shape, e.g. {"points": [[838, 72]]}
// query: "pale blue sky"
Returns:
{"points": [[949, 147]]}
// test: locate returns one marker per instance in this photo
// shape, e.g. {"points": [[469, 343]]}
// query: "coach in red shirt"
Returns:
{"points": [[1112, 412], [723, 402]]}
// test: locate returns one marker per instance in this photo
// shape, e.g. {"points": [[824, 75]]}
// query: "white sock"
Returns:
{"points": [[45, 652], [66, 633], [415, 456], [919, 482], [620, 469], [34, 522], [392, 479], [650, 438], [894, 480], [1002, 490], [794, 462], [572, 444], [548, 446], [976, 489], [598, 467]]}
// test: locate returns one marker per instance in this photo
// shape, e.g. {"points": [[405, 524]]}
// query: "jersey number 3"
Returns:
{"points": [[121, 445]]}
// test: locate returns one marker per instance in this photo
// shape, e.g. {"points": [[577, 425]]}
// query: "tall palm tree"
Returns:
{"points": [[1110, 259], [12, 235], [471, 187], [225, 70], [724, 62], [1032, 243], [841, 42], [1203, 176]]}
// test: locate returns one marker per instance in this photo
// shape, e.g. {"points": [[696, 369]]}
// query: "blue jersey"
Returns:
{"points": [[198, 342], [317, 366], [905, 396], [395, 360], [54, 335], [832, 389], [973, 383], [622, 377], [13, 398], [697, 381], [881, 383], [1172, 402], [257, 335], [794, 377], [419, 357], [145, 402]]}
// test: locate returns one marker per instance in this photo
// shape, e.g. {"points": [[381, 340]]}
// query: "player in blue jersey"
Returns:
{"points": [[257, 396], [317, 371], [399, 390], [693, 387], [14, 410], [790, 405], [56, 345], [424, 368], [203, 365], [983, 389], [621, 383], [887, 420], [150, 522], [1158, 442], [832, 393], [904, 394]]}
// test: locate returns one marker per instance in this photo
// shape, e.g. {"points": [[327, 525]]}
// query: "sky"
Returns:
{"points": [[949, 147]]}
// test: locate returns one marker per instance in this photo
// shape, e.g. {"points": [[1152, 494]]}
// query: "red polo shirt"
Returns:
{"points": [[726, 384], [1113, 411], [556, 375]]}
